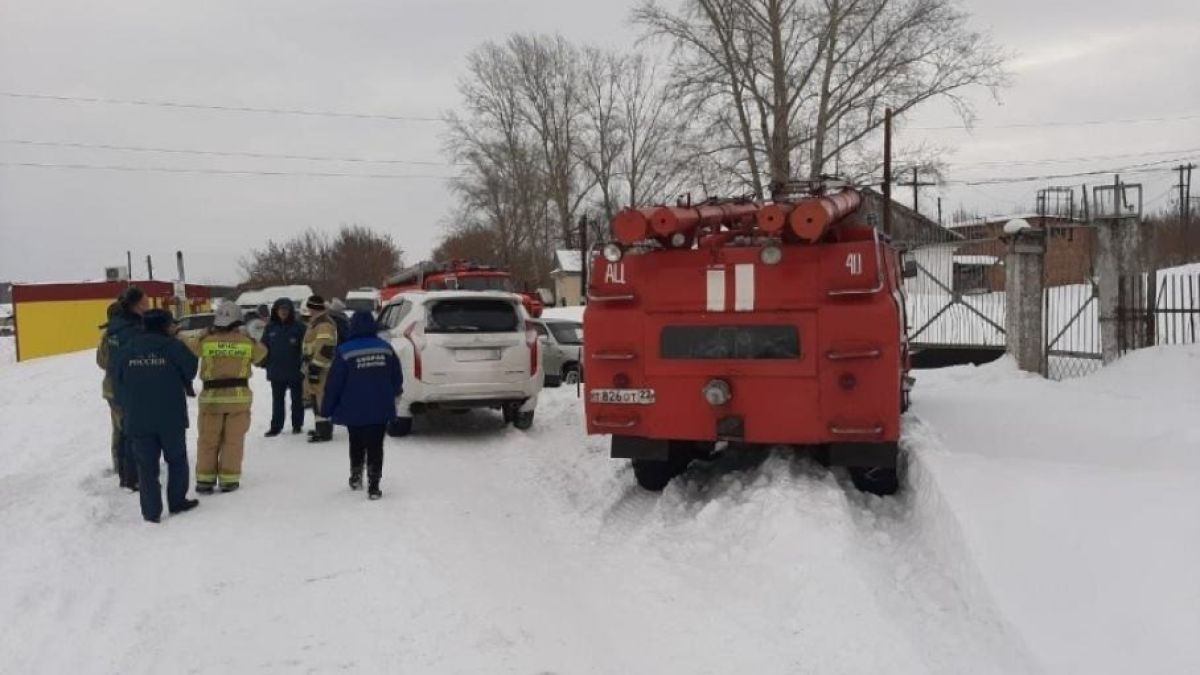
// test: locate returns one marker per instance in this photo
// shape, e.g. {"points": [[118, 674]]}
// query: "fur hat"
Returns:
{"points": [[314, 305], [157, 321]]}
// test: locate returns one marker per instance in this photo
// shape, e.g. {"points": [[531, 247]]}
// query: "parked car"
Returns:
{"points": [[461, 350], [194, 325], [562, 346], [363, 300]]}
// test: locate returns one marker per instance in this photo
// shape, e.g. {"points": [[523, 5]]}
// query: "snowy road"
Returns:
{"points": [[495, 550]]}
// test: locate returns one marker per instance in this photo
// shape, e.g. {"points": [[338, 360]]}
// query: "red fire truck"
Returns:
{"points": [[750, 323], [456, 275]]}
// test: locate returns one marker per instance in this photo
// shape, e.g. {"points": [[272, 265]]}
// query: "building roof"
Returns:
{"points": [[908, 226], [568, 262], [266, 296]]}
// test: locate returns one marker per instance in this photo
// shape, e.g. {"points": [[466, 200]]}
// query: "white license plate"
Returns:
{"points": [[623, 396], [468, 355]]}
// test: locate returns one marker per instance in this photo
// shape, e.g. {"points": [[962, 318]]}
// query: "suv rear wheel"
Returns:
{"points": [[570, 375], [523, 420]]}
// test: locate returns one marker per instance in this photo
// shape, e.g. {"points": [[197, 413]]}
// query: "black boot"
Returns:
{"points": [[187, 505], [356, 473], [373, 491], [205, 488], [323, 432], [272, 433]]}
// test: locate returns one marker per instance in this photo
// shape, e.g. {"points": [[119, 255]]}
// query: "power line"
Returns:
{"points": [[219, 172], [1144, 167], [1064, 160], [221, 108], [1080, 123], [215, 153]]}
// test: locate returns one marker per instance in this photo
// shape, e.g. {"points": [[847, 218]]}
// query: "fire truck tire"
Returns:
{"points": [[876, 480], [653, 474], [523, 420], [399, 427]]}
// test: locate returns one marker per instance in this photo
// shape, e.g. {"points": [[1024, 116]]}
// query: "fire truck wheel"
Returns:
{"points": [[875, 480], [523, 420], [401, 426], [653, 474]]}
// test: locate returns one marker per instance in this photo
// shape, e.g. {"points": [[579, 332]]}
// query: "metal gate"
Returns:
{"points": [[956, 301], [1072, 330]]}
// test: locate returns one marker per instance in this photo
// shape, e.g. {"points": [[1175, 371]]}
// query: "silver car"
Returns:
{"points": [[562, 347]]}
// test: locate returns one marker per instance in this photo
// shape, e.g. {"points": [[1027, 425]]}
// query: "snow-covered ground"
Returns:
{"points": [[1047, 527], [8, 350]]}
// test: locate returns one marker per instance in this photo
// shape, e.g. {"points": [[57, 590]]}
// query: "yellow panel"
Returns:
{"points": [[58, 327]]}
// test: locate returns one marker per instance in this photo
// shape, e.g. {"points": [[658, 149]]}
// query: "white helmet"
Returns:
{"points": [[228, 315]]}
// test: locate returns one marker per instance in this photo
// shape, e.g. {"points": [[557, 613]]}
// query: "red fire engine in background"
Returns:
{"points": [[456, 275], [752, 323]]}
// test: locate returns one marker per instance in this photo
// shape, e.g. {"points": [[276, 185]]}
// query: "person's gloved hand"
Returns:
{"points": [[314, 373], [189, 389]]}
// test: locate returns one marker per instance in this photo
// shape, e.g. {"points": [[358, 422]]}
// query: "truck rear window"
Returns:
{"points": [[473, 316], [730, 342]]}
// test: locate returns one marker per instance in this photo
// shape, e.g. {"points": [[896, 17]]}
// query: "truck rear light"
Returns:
{"points": [[679, 240], [531, 340], [717, 392], [416, 336], [621, 381]]}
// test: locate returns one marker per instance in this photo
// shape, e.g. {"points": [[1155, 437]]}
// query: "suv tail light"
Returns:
{"points": [[416, 335], [531, 340]]}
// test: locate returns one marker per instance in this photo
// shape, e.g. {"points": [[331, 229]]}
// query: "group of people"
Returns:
{"points": [[352, 380]]}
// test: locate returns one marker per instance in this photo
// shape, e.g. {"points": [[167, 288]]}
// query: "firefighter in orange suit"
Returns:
{"points": [[226, 356]]}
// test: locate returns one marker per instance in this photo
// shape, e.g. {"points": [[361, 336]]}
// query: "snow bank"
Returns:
{"points": [[1077, 502]]}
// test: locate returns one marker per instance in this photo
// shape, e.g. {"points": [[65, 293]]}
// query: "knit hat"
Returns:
{"points": [[314, 305], [228, 315], [157, 321]]}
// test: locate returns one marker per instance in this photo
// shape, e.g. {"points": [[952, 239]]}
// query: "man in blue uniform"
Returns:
{"points": [[284, 339], [125, 323], [150, 376], [364, 383]]}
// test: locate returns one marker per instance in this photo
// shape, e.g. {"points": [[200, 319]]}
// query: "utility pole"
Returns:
{"points": [[149, 268], [583, 256], [128, 269], [939, 210], [887, 172], [916, 187]]}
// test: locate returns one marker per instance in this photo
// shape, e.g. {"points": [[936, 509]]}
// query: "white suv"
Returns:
{"points": [[461, 350]]}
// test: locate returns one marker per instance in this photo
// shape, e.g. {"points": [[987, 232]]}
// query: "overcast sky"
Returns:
{"points": [[1074, 61]]}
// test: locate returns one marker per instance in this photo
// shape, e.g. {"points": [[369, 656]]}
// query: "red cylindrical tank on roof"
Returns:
{"points": [[668, 220], [811, 218], [772, 218], [631, 225]]}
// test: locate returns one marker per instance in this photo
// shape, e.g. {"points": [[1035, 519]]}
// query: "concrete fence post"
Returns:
{"points": [[1024, 274], [1116, 256]]}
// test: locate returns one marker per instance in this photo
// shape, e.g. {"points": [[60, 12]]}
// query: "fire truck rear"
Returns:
{"points": [[460, 275], [751, 323]]}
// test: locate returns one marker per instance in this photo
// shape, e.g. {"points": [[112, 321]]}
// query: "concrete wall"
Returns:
{"points": [[567, 290]]}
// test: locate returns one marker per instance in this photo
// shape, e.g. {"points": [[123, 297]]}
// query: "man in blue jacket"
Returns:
{"points": [[284, 340], [150, 376], [364, 383], [121, 328]]}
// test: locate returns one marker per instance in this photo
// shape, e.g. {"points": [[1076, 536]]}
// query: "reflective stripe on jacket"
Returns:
{"points": [[226, 356]]}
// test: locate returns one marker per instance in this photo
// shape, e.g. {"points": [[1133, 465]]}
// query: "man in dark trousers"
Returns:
{"points": [[120, 329], [364, 383], [284, 340], [149, 379]]}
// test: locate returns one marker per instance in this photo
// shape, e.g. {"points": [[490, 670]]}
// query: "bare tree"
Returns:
{"points": [[356, 257], [787, 83]]}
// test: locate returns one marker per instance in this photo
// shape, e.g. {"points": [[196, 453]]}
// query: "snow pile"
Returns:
{"points": [[1077, 502], [8, 350]]}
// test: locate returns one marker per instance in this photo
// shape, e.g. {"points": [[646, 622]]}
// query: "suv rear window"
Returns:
{"points": [[730, 342], [473, 316]]}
